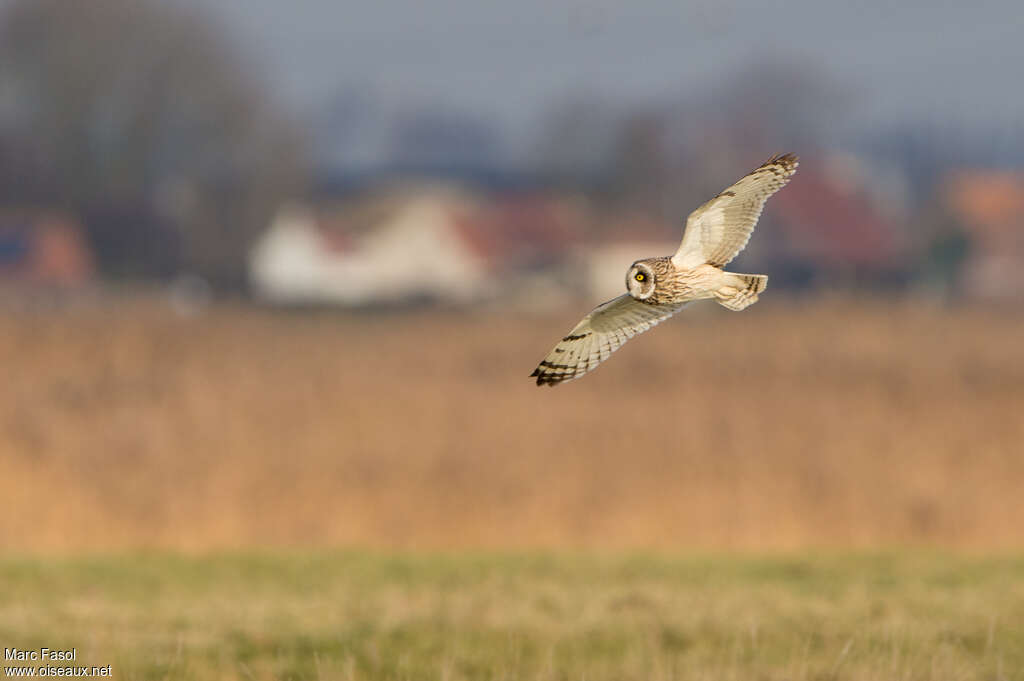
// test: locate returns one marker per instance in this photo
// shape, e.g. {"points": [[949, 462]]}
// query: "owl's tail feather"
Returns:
{"points": [[740, 290]]}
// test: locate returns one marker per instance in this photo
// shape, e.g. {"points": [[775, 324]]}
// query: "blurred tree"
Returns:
{"points": [[666, 157], [777, 102], [576, 142], [641, 159], [443, 138], [941, 244], [142, 118]]}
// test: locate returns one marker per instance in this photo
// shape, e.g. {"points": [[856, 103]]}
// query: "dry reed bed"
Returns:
{"points": [[825, 423]]}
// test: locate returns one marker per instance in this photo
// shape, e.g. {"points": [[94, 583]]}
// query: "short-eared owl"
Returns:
{"points": [[657, 288]]}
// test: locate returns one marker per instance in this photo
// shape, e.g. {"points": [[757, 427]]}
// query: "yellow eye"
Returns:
{"points": [[639, 276]]}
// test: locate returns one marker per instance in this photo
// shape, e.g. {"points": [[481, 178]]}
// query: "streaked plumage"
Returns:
{"points": [[657, 288]]}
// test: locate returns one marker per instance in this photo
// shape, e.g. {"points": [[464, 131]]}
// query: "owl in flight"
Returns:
{"points": [[657, 288]]}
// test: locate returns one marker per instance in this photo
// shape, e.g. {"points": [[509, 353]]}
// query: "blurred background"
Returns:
{"points": [[274, 274], [273, 277]]}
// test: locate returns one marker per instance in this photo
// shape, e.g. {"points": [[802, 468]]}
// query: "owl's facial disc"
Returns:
{"points": [[640, 281]]}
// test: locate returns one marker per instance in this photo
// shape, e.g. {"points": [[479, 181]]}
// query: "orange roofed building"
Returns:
{"points": [[43, 249], [989, 204]]}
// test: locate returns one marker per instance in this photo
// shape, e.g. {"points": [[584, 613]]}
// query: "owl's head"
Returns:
{"points": [[641, 280]]}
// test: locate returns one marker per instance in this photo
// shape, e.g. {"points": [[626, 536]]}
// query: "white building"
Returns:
{"points": [[402, 248]]}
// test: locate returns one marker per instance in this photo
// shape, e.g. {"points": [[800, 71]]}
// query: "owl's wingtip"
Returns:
{"points": [[788, 159], [545, 379]]}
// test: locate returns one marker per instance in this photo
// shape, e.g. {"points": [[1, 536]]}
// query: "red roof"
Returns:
{"points": [[46, 249], [826, 220], [520, 231]]}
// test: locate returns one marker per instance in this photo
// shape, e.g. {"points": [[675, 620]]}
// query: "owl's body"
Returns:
{"points": [[664, 283], [657, 288]]}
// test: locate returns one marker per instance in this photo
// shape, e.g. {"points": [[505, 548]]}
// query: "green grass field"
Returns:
{"points": [[357, 615]]}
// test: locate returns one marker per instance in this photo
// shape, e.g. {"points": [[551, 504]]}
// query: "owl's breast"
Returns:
{"points": [[680, 286]]}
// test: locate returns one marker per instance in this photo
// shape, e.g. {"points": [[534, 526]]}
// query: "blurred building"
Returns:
{"points": [[627, 237], [412, 245], [833, 229], [41, 249], [841, 224], [989, 205]]}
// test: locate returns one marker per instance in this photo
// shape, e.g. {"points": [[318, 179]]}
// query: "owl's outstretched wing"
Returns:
{"points": [[717, 231], [601, 333]]}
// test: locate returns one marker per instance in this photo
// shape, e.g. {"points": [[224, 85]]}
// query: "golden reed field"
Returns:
{"points": [[814, 424]]}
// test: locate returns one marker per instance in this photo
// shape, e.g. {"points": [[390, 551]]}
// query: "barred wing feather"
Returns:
{"points": [[717, 231], [598, 335]]}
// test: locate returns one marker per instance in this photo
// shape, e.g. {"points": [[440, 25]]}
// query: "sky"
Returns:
{"points": [[952, 62]]}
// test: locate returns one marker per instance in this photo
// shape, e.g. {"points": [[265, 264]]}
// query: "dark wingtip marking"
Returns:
{"points": [[552, 379], [552, 365], [788, 159]]}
